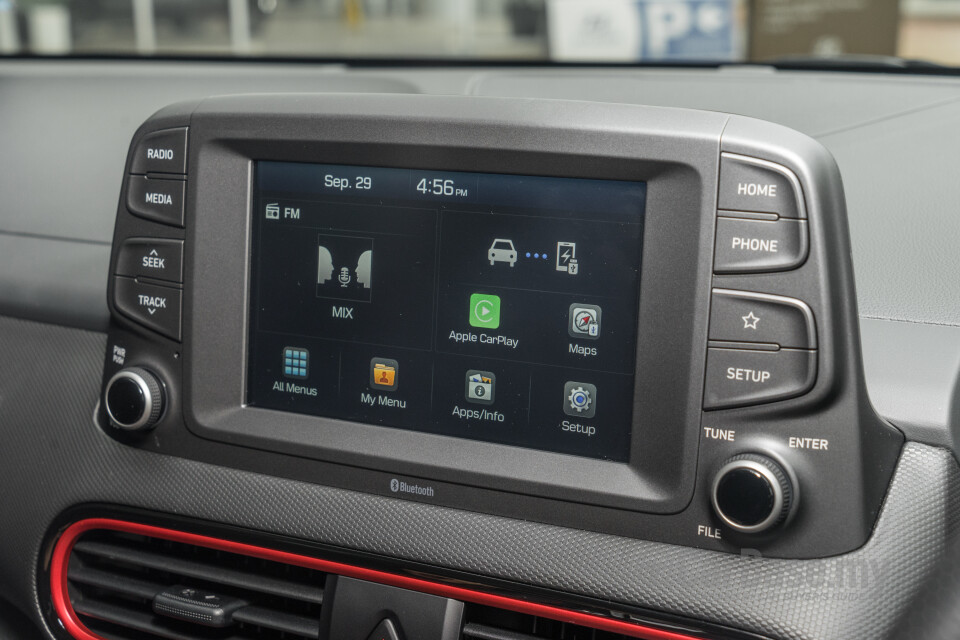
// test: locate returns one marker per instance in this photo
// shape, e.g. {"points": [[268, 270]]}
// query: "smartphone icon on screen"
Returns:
{"points": [[567, 258]]}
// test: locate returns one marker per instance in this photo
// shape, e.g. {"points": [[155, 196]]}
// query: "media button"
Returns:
{"points": [[155, 199]]}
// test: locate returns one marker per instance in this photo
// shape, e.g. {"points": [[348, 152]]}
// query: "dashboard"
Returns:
{"points": [[649, 370]]}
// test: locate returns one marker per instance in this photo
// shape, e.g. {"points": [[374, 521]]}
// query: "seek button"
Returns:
{"points": [[151, 258]]}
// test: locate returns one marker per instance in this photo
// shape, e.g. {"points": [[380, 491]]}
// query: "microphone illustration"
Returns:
{"points": [[344, 277]]}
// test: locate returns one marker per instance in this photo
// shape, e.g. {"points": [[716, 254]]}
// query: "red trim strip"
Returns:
{"points": [[76, 628]]}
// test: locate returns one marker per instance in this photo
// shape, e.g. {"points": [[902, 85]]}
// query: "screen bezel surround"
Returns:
{"points": [[486, 136]]}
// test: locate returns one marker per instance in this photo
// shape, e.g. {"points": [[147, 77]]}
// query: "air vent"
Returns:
{"points": [[116, 580], [491, 623], [125, 586]]}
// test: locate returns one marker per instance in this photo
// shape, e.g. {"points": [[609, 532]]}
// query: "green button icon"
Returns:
{"points": [[484, 311]]}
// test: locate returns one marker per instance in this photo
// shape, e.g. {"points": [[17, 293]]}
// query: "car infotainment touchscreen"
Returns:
{"points": [[493, 307]]}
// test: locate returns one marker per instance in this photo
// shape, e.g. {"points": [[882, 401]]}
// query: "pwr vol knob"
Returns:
{"points": [[752, 493], [133, 399]]}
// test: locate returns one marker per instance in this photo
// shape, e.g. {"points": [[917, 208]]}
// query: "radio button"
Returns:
{"points": [[161, 152], [756, 246], [737, 378], [151, 258], [744, 316], [153, 306], [749, 184], [156, 199]]}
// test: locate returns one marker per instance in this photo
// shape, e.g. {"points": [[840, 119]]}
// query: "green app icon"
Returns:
{"points": [[484, 311]]}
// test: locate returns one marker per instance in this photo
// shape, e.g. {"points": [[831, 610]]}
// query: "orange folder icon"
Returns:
{"points": [[384, 375]]}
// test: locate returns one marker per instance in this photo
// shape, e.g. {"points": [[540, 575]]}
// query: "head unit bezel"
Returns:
{"points": [[675, 152]]}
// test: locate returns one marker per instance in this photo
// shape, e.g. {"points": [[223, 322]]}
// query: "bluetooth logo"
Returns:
{"points": [[394, 485]]}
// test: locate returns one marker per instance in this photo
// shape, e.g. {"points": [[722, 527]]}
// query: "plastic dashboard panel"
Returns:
{"points": [[58, 458], [63, 459], [661, 494]]}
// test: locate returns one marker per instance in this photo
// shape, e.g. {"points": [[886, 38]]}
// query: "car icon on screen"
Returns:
{"points": [[502, 251]]}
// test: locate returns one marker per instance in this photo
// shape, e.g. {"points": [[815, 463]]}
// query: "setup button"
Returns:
{"points": [[153, 306], [737, 377]]}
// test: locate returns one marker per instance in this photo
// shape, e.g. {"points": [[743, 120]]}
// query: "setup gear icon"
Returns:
{"points": [[579, 399]]}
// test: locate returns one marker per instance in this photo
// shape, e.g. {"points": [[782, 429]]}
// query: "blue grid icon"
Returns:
{"points": [[295, 362]]}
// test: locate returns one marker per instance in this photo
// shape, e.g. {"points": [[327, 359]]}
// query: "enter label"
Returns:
{"points": [[817, 444]]}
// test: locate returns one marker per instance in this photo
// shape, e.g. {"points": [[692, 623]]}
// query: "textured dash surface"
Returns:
{"points": [[52, 457]]}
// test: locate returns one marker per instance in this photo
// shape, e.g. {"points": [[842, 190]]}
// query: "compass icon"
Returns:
{"points": [[584, 321]]}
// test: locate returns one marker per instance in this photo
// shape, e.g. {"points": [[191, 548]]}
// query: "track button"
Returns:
{"points": [[155, 307], [737, 378]]}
